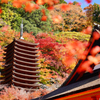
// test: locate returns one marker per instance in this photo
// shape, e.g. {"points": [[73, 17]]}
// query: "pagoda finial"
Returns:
{"points": [[21, 32]]}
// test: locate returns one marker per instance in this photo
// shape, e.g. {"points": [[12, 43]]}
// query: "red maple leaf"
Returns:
{"points": [[43, 11], [36, 6], [4, 1], [44, 18], [96, 35], [0, 10], [50, 8], [56, 1], [29, 7], [65, 7], [17, 4], [85, 66], [93, 59], [40, 2], [68, 60], [88, 1], [88, 30], [95, 50], [57, 19]]}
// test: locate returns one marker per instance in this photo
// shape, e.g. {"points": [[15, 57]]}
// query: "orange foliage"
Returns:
{"points": [[44, 18], [68, 60], [96, 35], [95, 50], [57, 19], [40, 2], [85, 66], [36, 6], [17, 4], [4, 1], [72, 17], [93, 59], [50, 8], [29, 7], [89, 14], [88, 30], [65, 7], [56, 1]]}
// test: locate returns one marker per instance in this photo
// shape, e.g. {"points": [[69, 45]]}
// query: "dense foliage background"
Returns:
{"points": [[93, 13], [73, 19], [31, 21], [61, 44]]}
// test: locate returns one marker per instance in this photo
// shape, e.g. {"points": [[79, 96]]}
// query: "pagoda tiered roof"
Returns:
{"points": [[20, 69]]}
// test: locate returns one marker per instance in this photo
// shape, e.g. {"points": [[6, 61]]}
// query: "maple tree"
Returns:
{"points": [[32, 21], [58, 55], [89, 14], [72, 18], [92, 13], [29, 6], [96, 13]]}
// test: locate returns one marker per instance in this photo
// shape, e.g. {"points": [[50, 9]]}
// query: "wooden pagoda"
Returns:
{"points": [[80, 86], [20, 68]]}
